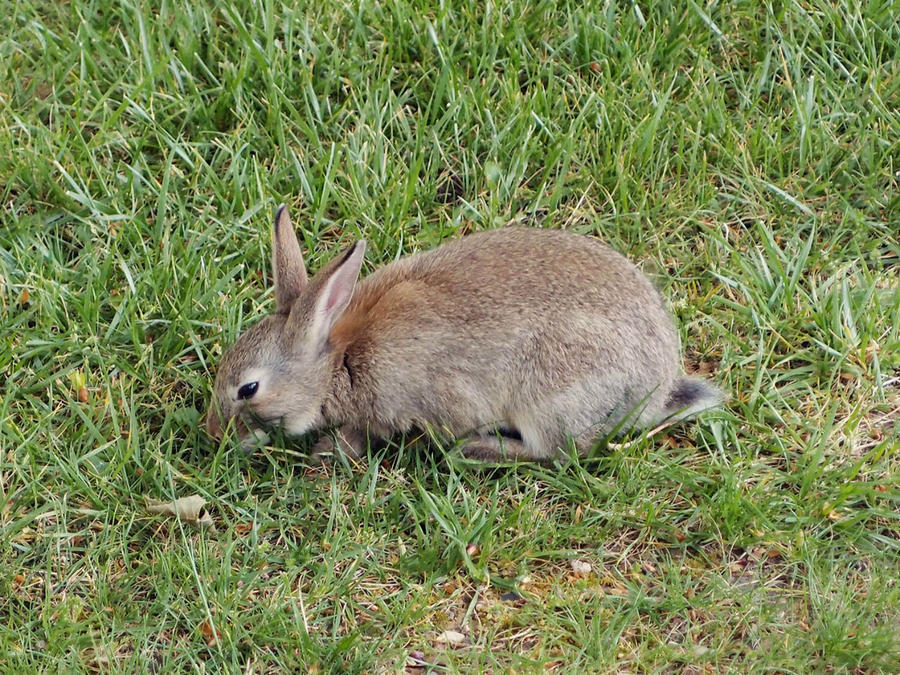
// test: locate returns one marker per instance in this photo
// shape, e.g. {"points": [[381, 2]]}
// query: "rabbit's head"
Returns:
{"points": [[279, 372]]}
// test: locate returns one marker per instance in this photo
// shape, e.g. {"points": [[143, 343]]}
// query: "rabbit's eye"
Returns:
{"points": [[248, 390]]}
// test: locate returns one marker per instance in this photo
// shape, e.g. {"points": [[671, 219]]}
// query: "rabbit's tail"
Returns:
{"points": [[689, 396]]}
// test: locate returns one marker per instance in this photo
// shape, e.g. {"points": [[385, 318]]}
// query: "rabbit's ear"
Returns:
{"points": [[287, 262], [336, 292]]}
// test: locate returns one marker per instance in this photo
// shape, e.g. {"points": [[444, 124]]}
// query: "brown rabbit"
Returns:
{"points": [[516, 338]]}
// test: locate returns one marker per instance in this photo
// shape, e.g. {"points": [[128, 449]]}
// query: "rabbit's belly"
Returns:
{"points": [[456, 406]]}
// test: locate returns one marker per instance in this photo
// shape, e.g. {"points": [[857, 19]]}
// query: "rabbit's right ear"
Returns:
{"points": [[287, 262]]}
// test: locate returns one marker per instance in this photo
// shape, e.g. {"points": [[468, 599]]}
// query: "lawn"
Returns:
{"points": [[747, 157]]}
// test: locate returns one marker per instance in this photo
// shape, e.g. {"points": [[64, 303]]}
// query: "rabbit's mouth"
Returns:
{"points": [[287, 424], [273, 422], [256, 429]]}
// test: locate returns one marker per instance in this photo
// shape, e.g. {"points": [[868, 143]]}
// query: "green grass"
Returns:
{"points": [[748, 157]]}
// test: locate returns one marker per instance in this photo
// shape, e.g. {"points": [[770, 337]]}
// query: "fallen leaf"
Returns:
{"points": [[25, 536], [581, 568], [190, 509], [451, 637], [210, 633]]}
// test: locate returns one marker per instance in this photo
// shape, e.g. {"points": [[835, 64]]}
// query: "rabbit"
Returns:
{"points": [[516, 340]]}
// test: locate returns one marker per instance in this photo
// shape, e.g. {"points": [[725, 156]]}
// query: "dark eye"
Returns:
{"points": [[248, 390]]}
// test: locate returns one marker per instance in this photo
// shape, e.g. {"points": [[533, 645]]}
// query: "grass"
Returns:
{"points": [[747, 156]]}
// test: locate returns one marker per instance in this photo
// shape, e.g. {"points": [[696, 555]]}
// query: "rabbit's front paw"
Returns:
{"points": [[351, 442], [323, 450]]}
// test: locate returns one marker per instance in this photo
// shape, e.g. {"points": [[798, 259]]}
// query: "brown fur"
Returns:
{"points": [[547, 333]]}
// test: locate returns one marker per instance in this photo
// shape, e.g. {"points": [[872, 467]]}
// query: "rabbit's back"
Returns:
{"points": [[512, 273], [525, 328]]}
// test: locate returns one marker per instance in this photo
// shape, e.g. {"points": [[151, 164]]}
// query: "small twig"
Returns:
{"points": [[302, 608], [655, 430]]}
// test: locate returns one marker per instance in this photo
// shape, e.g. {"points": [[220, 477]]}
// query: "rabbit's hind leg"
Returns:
{"points": [[499, 446]]}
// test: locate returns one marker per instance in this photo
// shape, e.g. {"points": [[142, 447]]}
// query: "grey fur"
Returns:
{"points": [[546, 333]]}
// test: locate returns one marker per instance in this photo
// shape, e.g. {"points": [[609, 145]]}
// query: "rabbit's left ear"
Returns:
{"points": [[287, 262], [334, 294]]}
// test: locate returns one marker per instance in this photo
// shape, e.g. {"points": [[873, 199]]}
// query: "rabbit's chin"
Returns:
{"points": [[297, 424]]}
